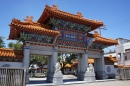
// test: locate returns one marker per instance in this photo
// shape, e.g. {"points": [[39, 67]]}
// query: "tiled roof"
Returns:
{"points": [[11, 53], [54, 12], [102, 40], [113, 59], [68, 65], [29, 26], [75, 63], [90, 60]]}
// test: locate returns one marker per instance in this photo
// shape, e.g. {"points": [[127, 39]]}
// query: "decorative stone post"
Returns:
{"points": [[100, 67], [26, 61], [58, 76], [82, 65], [90, 73], [103, 67], [54, 75]]}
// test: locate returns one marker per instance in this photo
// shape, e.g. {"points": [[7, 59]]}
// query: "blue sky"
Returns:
{"points": [[114, 13]]}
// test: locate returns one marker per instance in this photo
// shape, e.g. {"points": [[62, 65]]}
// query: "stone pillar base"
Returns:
{"points": [[58, 78], [101, 75], [27, 78], [89, 76], [80, 76], [55, 78], [50, 77]]}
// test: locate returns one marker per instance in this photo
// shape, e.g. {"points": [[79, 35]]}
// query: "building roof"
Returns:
{"points": [[28, 25], [113, 59], [109, 58], [75, 63], [41, 27], [4, 52], [54, 12], [102, 40], [68, 65], [108, 55], [89, 61]]}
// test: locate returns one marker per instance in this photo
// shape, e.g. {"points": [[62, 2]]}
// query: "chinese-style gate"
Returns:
{"points": [[58, 31]]}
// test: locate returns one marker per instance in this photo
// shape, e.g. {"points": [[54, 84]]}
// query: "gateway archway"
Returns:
{"points": [[58, 31]]}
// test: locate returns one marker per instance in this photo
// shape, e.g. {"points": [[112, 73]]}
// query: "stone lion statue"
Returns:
{"points": [[90, 68], [57, 67]]}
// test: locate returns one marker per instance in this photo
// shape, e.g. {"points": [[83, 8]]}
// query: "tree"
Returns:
{"points": [[69, 58], [2, 44], [38, 59], [15, 46], [11, 45]]}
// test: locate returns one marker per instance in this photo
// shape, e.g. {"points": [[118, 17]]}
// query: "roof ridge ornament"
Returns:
{"points": [[79, 14], [96, 33], [54, 7], [29, 19]]}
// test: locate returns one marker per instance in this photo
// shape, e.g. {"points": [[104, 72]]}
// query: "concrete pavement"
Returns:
{"points": [[105, 83], [70, 80]]}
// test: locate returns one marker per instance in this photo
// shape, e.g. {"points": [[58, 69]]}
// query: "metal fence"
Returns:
{"points": [[124, 73], [12, 76]]}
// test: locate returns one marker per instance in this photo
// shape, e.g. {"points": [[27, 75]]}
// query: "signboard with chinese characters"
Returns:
{"points": [[69, 38]]}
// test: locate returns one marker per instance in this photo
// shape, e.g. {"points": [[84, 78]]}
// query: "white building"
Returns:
{"points": [[122, 51], [110, 65], [122, 56]]}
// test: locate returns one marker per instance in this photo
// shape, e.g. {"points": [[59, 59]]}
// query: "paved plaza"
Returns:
{"points": [[70, 80], [98, 83], [105, 83]]}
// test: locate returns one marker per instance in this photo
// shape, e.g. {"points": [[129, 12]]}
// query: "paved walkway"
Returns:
{"points": [[70, 80], [105, 83]]}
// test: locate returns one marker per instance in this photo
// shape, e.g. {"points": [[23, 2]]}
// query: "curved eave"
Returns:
{"points": [[102, 40], [107, 41], [4, 52], [17, 27], [49, 12], [113, 59]]}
